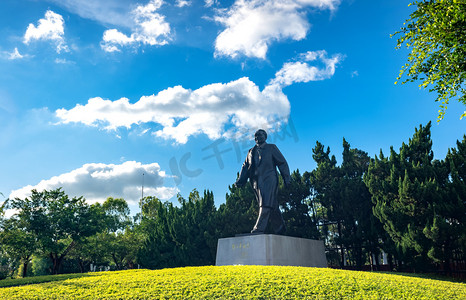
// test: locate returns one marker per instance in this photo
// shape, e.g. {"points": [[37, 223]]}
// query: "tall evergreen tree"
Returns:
{"points": [[179, 236], [294, 201], [195, 229], [157, 250], [347, 202], [324, 187], [447, 227], [456, 162], [405, 188], [361, 230], [239, 212]]}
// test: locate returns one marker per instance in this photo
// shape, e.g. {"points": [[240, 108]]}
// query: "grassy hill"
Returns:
{"points": [[230, 282]]}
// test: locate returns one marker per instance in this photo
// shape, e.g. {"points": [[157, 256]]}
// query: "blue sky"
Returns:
{"points": [[94, 94]]}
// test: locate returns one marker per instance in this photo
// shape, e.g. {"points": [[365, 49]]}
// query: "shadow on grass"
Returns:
{"points": [[40, 279]]}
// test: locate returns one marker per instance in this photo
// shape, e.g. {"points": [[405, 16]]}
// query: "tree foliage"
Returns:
{"points": [[57, 221], [421, 201], [178, 236], [116, 241], [294, 201], [17, 242], [347, 221], [239, 212], [436, 34], [403, 188]]}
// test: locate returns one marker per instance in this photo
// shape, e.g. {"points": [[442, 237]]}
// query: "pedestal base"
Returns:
{"points": [[270, 249]]}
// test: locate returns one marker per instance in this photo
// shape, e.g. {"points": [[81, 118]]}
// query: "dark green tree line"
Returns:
{"points": [[420, 201], [346, 220], [179, 236]]}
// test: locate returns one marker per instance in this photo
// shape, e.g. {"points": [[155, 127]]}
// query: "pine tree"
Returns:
{"points": [[239, 212], [347, 202], [447, 230], [294, 201], [406, 189], [157, 250]]}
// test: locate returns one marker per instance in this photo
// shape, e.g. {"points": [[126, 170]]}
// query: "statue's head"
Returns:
{"points": [[260, 136]]}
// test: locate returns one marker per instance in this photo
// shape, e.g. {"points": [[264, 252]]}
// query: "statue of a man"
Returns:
{"points": [[260, 167]]}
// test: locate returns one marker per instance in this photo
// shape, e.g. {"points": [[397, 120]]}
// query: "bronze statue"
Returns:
{"points": [[260, 167]]}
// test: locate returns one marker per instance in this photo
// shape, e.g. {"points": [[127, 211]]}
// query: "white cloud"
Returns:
{"points": [[182, 3], [98, 181], [51, 28], [209, 3], [300, 71], [15, 55], [183, 113], [251, 26], [322, 4], [113, 38], [216, 110], [63, 61], [109, 12], [150, 29]]}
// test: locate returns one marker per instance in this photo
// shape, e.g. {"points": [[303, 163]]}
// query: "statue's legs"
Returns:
{"points": [[276, 219], [277, 222], [262, 220], [268, 209]]}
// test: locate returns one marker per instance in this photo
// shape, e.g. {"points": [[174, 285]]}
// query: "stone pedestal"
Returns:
{"points": [[270, 249]]}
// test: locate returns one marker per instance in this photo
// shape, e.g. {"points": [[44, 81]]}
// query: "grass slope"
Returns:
{"points": [[238, 282]]}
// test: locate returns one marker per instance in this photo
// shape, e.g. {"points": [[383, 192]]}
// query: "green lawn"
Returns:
{"points": [[234, 282]]}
